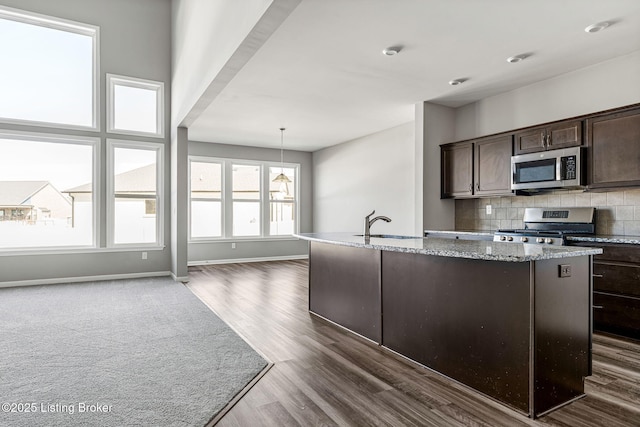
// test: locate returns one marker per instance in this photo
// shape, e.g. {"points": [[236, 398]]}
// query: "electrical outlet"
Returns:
{"points": [[488, 209], [565, 270], [233, 245], [144, 255]]}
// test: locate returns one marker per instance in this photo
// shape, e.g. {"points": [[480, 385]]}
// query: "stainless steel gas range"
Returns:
{"points": [[551, 226]]}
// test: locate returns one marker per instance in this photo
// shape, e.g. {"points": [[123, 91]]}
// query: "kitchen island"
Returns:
{"points": [[510, 320]]}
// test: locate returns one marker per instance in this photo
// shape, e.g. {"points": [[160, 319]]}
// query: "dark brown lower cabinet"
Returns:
{"points": [[514, 331], [616, 289], [467, 319], [344, 287], [616, 314]]}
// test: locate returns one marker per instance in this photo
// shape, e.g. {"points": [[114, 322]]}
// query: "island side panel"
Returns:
{"points": [[467, 319], [344, 287], [562, 331]]}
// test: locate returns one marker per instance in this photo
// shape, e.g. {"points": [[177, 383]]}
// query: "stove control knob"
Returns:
{"points": [[549, 241], [503, 238], [524, 239], [540, 240], [510, 238]]}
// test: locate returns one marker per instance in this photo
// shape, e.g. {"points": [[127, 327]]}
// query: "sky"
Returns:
{"points": [[47, 75]]}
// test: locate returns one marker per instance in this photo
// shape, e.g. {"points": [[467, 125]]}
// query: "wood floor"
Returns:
{"points": [[325, 376]]}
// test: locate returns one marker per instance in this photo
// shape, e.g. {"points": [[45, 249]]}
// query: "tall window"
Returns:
{"points": [[135, 106], [239, 199], [245, 183], [135, 189], [282, 202], [206, 199], [47, 191], [49, 70]]}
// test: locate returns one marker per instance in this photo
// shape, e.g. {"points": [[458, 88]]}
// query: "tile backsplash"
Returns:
{"points": [[617, 212]]}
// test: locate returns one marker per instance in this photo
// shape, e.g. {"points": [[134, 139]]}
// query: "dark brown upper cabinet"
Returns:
{"points": [[477, 168], [614, 145], [550, 137], [457, 170], [492, 165]]}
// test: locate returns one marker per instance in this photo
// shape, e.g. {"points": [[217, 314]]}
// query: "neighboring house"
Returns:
{"points": [[32, 201], [206, 183], [135, 200]]}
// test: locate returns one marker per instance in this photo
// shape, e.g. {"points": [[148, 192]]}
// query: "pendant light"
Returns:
{"points": [[282, 177]]}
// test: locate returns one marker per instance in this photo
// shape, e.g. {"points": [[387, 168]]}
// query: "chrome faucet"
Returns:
{"points": [[368, 222]]}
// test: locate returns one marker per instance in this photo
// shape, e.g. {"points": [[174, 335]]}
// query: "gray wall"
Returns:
{"points": [[209, 251], [135, 40], [437, 124], [373, 172], [600, 87]]}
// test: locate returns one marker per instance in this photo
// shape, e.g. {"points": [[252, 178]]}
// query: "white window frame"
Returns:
{"points": [[114, 80], [200, 159], [267, 201], [231, 200], [72, 27], [112, 144], [94, 143], [227, 199]]}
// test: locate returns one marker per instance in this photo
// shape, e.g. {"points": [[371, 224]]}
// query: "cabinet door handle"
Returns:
{"points": [[543, 138], [478, 186], [470, 187], [600, 276], [597, 306], [548, 138]]}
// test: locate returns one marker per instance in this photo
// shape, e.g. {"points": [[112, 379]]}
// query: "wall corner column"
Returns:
{"points": [[179, 204], [435, 124]]}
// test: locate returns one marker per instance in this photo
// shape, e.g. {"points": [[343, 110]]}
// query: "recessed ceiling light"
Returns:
{"points": [[391, 51], [594, 28], [516, 58], [456, 82]]}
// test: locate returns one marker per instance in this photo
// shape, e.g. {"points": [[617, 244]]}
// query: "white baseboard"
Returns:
{"points": [[57, 281], [183, 279], [240, 260]]}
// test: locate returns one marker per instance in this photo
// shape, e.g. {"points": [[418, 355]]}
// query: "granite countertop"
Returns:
{"points": [[468, 234], [601, 238], [488, 234], [456, 248]]}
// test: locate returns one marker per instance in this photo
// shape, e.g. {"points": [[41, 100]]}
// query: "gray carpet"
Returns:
{"points": [[144, 352]]}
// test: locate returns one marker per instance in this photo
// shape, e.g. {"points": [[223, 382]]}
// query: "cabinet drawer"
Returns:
{"points": [[618, 252], [618, 315], [617, 279]]}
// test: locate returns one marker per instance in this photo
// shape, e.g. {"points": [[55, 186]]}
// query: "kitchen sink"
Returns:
{"points": [[388, 236]]}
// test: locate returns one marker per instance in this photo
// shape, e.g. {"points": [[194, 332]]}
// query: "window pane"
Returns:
{"points": [[206, 215], [135, 109], [135, 171], [246, 182], [46, 194], [132, 223], [279, 190], [47, 74], [282, 217], [246, 218], [135, 195], [206, 219], [206, 180]]}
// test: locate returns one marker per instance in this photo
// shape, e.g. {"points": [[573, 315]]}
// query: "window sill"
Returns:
{"points": [[76, 250], [245, 239]]}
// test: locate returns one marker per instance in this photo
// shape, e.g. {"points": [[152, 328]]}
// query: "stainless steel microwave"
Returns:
{"points": [[548, 169]]}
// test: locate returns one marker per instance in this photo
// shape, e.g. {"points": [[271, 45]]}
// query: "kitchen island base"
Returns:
{"points": [[517, 332]]}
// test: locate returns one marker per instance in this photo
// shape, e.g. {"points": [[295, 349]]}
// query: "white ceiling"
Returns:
{"points": [[323, 76]]}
